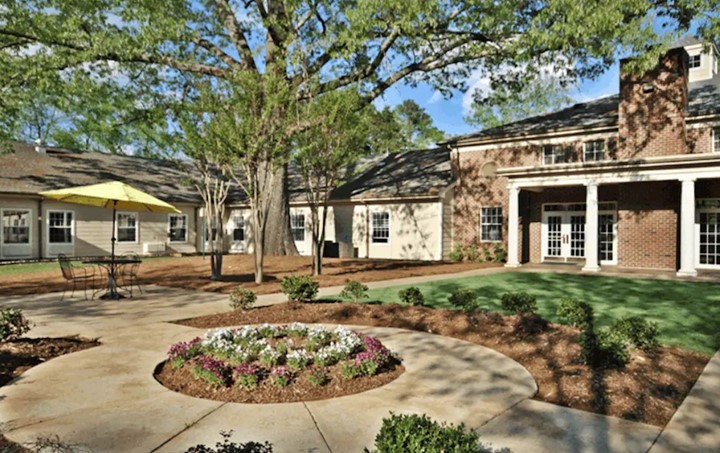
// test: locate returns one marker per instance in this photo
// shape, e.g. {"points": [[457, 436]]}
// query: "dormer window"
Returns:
{"points": [[694, 61], [555, 154]]}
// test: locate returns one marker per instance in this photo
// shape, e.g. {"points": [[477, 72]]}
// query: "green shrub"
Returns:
{"points": [[639, 332], [612, 351], [231, 447], [318, 377], [500, 254], [242, 299], [576, 313], [13, 324], [299, 288], [519, 303], [464, 299], [531, 324], [412, 296], [487, 254], [354, 291], [472, 253], [350, 370], [419, 434], [456, 255]]}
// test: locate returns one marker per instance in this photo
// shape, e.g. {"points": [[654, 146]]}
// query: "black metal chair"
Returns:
{"points": [[73, 274], [127, 274]]}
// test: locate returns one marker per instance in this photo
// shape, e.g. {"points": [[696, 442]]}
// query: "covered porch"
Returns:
{"points": [[655, 213]]}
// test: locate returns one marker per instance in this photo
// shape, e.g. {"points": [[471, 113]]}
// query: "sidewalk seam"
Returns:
{"points": [[187, 426], [317, 427]]}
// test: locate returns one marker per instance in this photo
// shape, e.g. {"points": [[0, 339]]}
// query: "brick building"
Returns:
{"points": [[633, 177]]}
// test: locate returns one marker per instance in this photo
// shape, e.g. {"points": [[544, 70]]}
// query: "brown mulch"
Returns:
{"points": [[18, 356], [182, 380], [648, 390], [193, 272]]}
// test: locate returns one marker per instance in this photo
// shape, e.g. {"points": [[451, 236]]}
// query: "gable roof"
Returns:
{"points": [[25, 171], [408, 174], [703, 99]]}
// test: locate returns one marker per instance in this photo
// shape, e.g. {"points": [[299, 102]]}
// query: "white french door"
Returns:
{"points": [[564, 236], [563, 233]]}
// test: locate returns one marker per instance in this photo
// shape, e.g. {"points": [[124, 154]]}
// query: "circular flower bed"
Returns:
{"points": [[286, 363]]}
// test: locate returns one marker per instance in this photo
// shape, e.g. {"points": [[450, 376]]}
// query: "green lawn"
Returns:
{"points": [[688, 313]]}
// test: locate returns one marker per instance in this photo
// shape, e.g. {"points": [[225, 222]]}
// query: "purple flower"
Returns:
{"points": [[281, 371], [247, 369], [184, 349]]}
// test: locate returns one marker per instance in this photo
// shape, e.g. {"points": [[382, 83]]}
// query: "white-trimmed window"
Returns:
{"points": [[380, 227], [555, 154], [127, 227], [238, 232], [716, 140], [16, 226], [297, 225], [491, 223], [594, 151], [177, 226], [694, 61], [60, 227]]}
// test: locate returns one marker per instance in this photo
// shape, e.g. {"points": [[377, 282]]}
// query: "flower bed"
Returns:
{"points": [[270, 363]]}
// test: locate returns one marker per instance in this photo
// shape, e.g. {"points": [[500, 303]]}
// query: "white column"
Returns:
{"points": [[513, 225], [687, 229], [591, 228]]}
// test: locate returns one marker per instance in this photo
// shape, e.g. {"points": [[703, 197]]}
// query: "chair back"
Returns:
{"points": [[134, 267], [65, 267]]}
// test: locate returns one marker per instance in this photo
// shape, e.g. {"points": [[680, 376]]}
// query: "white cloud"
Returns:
{"points": [[435, 98], [478, 81]]}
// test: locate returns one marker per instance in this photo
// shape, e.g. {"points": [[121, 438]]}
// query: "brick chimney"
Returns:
{"points": [[652, 109]]}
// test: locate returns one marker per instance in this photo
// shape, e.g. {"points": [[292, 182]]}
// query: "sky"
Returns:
{"points": [[448, 113]]}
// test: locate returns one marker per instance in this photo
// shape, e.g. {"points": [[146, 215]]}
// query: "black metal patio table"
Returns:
{"points": [[112, 265]]}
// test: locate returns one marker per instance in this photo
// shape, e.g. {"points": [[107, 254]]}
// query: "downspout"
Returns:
{"points": [[40, 229], [367, 231]]}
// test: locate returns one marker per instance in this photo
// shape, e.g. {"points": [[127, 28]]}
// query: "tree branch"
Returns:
{"points": [[236, 33]]}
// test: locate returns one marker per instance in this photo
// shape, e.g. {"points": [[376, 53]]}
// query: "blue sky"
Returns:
{"points": [[448, 113]]}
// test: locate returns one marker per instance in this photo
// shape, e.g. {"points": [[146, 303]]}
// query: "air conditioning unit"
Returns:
{"points": [[153, 248]]}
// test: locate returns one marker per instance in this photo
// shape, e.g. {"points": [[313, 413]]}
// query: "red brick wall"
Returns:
{"points": [[648, 225], [474, 190], [699, 140], [652, 121]]}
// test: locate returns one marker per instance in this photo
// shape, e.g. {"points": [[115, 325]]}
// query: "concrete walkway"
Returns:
{"points": [[106, 398]]}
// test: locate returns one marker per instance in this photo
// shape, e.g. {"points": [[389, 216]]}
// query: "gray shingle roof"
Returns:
{"points": [[27, 172], [704, 98], [401, 175]]}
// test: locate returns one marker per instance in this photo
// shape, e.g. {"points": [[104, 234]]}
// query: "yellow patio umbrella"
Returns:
{"points": [[115, 195]]}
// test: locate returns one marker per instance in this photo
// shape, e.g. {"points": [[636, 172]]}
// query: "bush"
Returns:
{"points": [[419, 434], [500, 253], [464, 299], [13, 324], [612, 351], [354, 291], [242, 299], [472, 253], [299, 288], [636, 330], [412, 296], [520, 303], [231, 447], [576, 313], [456, 254]]}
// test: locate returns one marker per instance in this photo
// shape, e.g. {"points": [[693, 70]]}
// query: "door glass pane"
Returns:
{"points": [[606, 237], [709, 238], [554, 235], [16, 227], [577, 236]]}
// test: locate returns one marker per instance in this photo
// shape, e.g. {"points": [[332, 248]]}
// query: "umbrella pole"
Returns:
{"points": [[112, 253]]}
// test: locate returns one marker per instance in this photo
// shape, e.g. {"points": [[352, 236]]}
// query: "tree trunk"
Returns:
{"points": [[278, 236]]}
